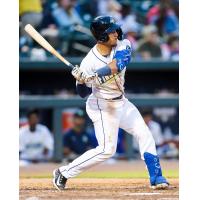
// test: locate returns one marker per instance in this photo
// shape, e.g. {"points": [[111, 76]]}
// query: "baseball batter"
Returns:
{"points": [[101, 76]]}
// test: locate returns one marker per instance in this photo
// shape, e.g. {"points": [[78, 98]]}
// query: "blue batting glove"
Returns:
{"points": [[119, 54], [120, 64], [125, 55], [122, 53], [123, 58]]}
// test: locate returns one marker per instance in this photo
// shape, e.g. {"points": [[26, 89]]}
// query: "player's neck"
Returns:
{"points": [[103, 49]]}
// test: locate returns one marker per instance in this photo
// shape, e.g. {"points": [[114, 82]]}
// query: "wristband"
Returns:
{"points": [[104, 71]]}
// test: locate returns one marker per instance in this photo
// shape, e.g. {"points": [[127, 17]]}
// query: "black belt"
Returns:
{"points": [[116, 98]]}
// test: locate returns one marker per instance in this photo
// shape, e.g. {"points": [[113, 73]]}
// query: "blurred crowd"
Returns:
{"points": [[36, 143], [152, 26]]}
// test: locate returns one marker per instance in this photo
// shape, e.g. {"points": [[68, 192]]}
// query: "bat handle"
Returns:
{"points": [[71, 66]]}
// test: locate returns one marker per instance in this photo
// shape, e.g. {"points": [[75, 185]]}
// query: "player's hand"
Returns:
{"points": [[123, 58], [91, 78], [124, 55], [78, 74]]}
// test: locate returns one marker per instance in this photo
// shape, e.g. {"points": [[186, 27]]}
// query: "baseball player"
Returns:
{"points": [[101, 76]]}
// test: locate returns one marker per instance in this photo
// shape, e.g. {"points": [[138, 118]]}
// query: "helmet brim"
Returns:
{"points": [[112, 28]]}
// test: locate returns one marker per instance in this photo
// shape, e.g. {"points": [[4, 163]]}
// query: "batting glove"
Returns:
{"points": [[80, 76], [125, 55], [123, 58], [91, 78]]}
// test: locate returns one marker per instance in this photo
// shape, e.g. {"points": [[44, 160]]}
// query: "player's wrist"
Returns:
{"points": [[113, 66]]}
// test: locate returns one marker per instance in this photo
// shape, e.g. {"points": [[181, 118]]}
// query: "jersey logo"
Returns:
{"points": [[105, 79], [128, 47]]}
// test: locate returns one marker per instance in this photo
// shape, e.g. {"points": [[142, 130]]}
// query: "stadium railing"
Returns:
{"points": [[54, 64]]}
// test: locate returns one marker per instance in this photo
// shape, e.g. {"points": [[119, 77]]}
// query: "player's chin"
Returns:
{"points": [[114, 43]]}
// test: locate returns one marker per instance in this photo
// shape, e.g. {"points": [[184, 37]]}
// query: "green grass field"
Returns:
{"points": [[110, 174], [123, 174]]}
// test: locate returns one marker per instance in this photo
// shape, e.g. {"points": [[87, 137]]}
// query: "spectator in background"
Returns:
{"points": [[173, 45], [35, 140], [109, 7], [114, 9], [65, 14], [166, 147], [129, 25], [131, 35], [30, 12], [149, 46], [48, 19], [66, 18], [175, 7], [154, 127], [88, 9], [76, 141], [128, 18], [163, 15]]}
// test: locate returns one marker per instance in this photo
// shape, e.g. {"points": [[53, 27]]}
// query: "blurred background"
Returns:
{"points": [[59, 128]]}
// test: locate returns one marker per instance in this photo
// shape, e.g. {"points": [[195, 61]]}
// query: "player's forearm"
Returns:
{"points": [[107, 70]]}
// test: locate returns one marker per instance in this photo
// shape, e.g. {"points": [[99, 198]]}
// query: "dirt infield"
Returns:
{"points": [[137, 189], [33, 186]]}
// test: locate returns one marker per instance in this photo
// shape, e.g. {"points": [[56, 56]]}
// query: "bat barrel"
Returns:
{"points": [[45, 44]]}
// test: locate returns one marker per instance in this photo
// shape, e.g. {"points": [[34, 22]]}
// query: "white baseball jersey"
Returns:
{"points": [[32, 144], [106, 87], [109, 115]]}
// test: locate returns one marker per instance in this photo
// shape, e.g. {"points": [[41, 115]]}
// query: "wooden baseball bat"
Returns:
{"points": [[43, 42]]}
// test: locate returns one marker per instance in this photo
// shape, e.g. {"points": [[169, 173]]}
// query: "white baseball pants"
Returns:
{"points": [[107, 117]]}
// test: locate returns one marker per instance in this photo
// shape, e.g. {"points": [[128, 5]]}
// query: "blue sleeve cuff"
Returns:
{"points": [[104, 71]]}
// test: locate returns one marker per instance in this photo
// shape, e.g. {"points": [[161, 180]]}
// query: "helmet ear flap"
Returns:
{"points": [[120, 33], [103, 37]]}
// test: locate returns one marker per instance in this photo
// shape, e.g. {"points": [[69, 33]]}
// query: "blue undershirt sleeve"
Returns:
{"points": [[83, 90]]}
